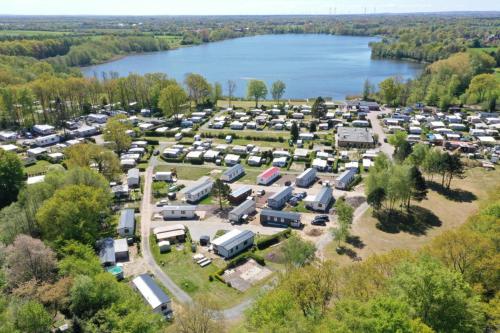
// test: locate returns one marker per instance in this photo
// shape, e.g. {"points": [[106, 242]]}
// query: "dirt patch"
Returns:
{"points": [[314, 232], [246, 275]]}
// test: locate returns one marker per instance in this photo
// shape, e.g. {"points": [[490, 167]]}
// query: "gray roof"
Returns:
{"points": [[238, 239], [243, 207], [150, 290], [240, 190], [200, 183], [346, 174], [133, 173], [281, 214], [324, 196], [127, 219], [231, 169], [281, 193], [354, 134], [107, 250], [306, 173]]}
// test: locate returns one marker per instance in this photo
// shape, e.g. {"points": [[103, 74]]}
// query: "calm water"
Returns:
{"points": [[310, 65]]}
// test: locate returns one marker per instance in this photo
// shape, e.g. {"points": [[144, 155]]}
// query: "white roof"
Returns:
{"points": [[9, 147], [227, 236], [120, 245], [35, 179], [150, 292], [167, 228]]}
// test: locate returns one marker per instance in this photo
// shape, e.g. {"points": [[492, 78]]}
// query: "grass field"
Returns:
{"points": [[194, 280], [39, 167], [29, 33], [438, 213]]}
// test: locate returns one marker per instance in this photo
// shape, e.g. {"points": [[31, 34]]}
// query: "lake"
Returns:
{"points": [[310, 65]]}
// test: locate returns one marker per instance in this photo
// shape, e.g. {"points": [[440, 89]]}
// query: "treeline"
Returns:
{"points": [[39, 49], [451, 285], [465, 77]]}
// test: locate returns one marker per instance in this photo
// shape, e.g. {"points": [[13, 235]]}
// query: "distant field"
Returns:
{"points": [[25, 33]]}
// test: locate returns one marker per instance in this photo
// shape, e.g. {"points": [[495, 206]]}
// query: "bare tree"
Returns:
{"points": [[201, 316], [28, 259], [231, 87]]}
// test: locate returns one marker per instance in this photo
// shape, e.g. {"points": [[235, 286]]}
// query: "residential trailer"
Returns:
{"points": [[280, 218], [233, 242], [321, 201], [232, 173], [240, 194], [306, 178], [133, 177], [246, 208], [126, 226], [345, 178], [152, 293], [179, 212], [278, 199], [47, 140], [198, 190], [268, 176]]}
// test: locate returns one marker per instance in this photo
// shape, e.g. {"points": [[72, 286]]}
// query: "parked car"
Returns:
{"points": [[261, 192], [322, 217], [293, 201], [303, 195], [156, 152], [288, 183], [229, 139], [318, 222], [162, 203]]}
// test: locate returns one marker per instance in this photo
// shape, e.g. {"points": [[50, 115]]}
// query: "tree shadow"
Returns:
{"points": [[355, 241], [416, 221], [457, 194]]}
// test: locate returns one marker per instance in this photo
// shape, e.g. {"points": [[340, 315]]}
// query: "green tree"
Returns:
{"points": [[318, 109], [172, 101], [78, 259], [231, 88], [11, 177], [277, 90], [483, 86], [221, 191], [439, 297], [75, 212], [256, 90], [389, 91], [376, 198], [367, 90], [31, 317], [198, 88], [115, 132], [298, 252], [85, 155], [216, 92], [419, 187], [294, 132]]}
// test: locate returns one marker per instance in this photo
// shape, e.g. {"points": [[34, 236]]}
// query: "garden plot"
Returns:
{"points": [[246, 275]]}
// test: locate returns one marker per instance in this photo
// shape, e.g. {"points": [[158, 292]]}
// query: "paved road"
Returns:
{"points": [[377, 129]]}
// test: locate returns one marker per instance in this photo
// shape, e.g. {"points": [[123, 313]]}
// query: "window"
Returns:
{"points": [[183, 212]]}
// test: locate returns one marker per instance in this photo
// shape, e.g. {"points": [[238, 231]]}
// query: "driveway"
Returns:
{"points": [[379, 130]]}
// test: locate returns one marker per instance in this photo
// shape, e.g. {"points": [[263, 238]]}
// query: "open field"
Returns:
{"points": [[434, 215]]}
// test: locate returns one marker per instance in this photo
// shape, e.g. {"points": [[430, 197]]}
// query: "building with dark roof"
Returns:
{"points": [[157, 299], [280, 218], [354, 137]]}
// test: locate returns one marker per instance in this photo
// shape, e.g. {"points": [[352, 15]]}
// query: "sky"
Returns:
{"points": [[237, 7]]}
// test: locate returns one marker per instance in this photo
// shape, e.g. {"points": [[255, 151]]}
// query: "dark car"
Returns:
{"points": [[323, 217], [156, 152], [288, 183], [318, 222], [293, 201]]}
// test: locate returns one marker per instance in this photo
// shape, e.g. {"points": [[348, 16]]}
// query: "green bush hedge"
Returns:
{"points": [[267, 241]]}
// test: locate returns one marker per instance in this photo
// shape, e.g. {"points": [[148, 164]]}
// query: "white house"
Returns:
{"points": [[198, 190], [319, 164], [126, 225], [232, 173], [280, 162], [344, 179], [8, 136], [233, 242], [245, 208], [152, 293], [97, 118], [231, 159], [178, 212], [268, 176], [320, 201], [306, 178], [254, 160], [163, 176]]}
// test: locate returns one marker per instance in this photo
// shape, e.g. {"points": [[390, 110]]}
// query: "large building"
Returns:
{"points": [[355, 137]]}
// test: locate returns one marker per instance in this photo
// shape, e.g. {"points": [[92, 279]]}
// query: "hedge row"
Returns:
{"points": [[266, 242], [222, 135]]}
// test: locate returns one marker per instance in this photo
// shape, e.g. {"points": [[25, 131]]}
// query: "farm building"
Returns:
{"points": [[240, 194], [178, 212], [153, 294], [306, 178], [278, 199], [268, 176], [280, 218], [126, 226], [198, 190], [233, 242], [320, 201], [232, 173], [246, 208], [344, 179]]}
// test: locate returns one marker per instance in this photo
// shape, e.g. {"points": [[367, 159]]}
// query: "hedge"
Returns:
{"points": [[266, 242]]}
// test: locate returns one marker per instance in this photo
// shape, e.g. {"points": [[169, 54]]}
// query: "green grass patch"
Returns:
{"points": [[300, 208], [187, 172], [39, 167]]}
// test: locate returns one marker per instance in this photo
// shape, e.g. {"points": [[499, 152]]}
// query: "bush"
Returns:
{"points": [[266, 242]]}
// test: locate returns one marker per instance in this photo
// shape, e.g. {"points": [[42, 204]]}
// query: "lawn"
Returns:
{"points": [[194, 280], [300, 208], [438, 213], [39, 167], [187, 172]]}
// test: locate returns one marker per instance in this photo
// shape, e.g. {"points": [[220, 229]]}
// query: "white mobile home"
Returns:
{"points": [[163, 176], [306, 178], [133, 177], [153, 294], [321, 201], [198, 190], [178, 212], [232, 173], [278, 200], [268, 176], [47, 140], [344, 179], [246, 208], [44, 129], [233, 242], [126, 226]]}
